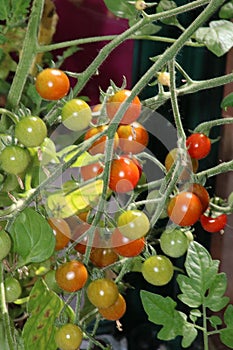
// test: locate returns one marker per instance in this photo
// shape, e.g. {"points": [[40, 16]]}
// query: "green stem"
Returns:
{"points": [[216, 170], [27, 56], [206, 126], [205, 333], [4, 311]]}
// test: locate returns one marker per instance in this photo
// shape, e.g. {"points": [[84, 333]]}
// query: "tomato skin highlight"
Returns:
{"points": [[71, 276], [115, 311], [213, 224], [52, 84], [198, 145], [184, 209], [114, 102], [124, 175]]}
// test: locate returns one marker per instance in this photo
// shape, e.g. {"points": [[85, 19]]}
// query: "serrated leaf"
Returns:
{"points": [[218, 37], [121, 8], [226, 337], [33, 238], [215, 299], [215, 321], [165, 5], [227, 101], [226, 11], [44, 307], [192, 291]]}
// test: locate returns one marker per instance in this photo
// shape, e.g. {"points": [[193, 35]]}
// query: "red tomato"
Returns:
{"points": [[133, 138], [201, 193], [125, 246], [71, 276], [124, 175], [90, 171], [198, 145], [213, 224], [52, 84], [99, 145], [184, 209], [114, 102]]}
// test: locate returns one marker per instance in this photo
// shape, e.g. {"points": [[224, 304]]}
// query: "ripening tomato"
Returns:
{"points": [[191, 166], [124, 175], [52, 84], [76, 114], [115, 311], [157, 270], [184, 209], [68, 337], [102, 257], [71, 276], [61, 232], [99, 145], [133, 224], [90, 171], [213, 224], [125, 246], [102, 292], [201, 193], [114, 102], [198, 145], [133, 138]]}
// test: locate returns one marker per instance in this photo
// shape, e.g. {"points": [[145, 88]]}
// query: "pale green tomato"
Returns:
{"points": [[76, 114], [133, 224], [157, 270]]}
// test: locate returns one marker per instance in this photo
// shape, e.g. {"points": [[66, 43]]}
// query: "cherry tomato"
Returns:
{"points": [[5, 244], [133, 138], [78, 232], [198, 145], [52, 84], [114, 102], [157, 270], [13, 289], [126, 247], [14, 159], [31, 131], [124, 175], [201, 193], [68, 337], [213, 224], [174, 242], [102, 257], [184, 209], [102, 292], [61, 231], [133, 224], [71, 276], [115, 311], [90, 171], [99, 145], [192, 164], [76, 114]]}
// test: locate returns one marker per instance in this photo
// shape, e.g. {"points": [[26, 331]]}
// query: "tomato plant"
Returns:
{"points": [[90, 171], [69, 337], [52, 84], [71, 276]]}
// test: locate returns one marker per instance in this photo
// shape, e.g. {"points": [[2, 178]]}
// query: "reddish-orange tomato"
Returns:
{"points": [[90, 171], [133, 138], [125, 246], [184, 209], [201, 193], [198, 145], [114, 102], [192, 164], [52, 84], [115, 311], [99, 145], [102, 257], [61, 231], [124, 175], [71, 276]]}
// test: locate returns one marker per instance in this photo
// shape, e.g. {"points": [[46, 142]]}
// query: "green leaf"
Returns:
{"points": [[4, 9], [148, 29], [33, 238], [226, 11], [227, 101], [218, 37], [165, 5], [215, 300], [44, 307], [228, 316], [226, 337], [20, 8], [121, 8], [201, 270], [162, 311], [215, 321]]}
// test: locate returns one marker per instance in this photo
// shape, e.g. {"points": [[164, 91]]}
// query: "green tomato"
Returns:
{"points": [[10, 183], [31, 131], [13, 289], [133, 224], [14, 159], [157, 270], [76, 114], [5, 244], [51, 282], [174, 243], [69, 337]]}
